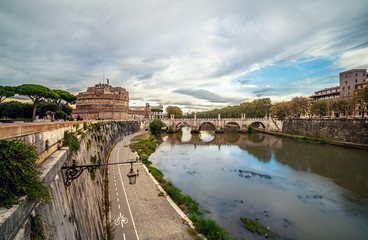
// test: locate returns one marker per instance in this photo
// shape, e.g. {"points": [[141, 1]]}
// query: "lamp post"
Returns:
{"points": [[72, 172], [132, 175]]}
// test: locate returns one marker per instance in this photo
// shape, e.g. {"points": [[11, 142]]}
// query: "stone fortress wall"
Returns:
{"points": [[76, 211]]}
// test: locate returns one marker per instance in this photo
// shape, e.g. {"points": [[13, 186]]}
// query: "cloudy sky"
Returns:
{"points": [[196, 54]]}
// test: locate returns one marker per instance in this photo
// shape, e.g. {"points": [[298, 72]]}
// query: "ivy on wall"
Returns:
{"points": [[19, 175]]}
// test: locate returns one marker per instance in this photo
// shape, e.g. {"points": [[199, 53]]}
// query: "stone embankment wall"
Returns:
{"points": [[347, 130], [76, 211]]}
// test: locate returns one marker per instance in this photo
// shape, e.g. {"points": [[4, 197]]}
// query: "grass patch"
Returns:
{"points": [[209, 228], [311, 140], [256, 227]]}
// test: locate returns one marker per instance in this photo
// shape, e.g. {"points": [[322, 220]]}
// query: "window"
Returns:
{"points": [[346, 82], [349, 94], [343, 94], [361, 85], [356, 80], [349, 88], [343, 88]]}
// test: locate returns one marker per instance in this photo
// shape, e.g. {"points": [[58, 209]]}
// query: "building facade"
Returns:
{"points": [[351, 81], [102, 102], [327, 94], [146, 112]]}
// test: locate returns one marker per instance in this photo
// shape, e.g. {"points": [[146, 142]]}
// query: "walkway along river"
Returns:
{"points": [[300, 191]]}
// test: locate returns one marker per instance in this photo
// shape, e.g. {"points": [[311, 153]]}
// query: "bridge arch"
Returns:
{"points": [[164, 126], [207, 123], [182, 124], [229, 125], [258, 124]]}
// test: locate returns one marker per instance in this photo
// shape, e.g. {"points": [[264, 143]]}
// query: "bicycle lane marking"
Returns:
{"points": [[126, 198]]}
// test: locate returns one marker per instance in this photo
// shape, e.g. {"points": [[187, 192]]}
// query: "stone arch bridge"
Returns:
{"points": [[220, 123]]}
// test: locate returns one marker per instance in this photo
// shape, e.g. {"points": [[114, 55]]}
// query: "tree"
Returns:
{"points": [[36, 93], [319, 107], [298, 106], [339, 106], [6, 92], [361, 98], [156, 127], [16, 110], [45, 108], [280, 110], [173, 110], [65, 97]]}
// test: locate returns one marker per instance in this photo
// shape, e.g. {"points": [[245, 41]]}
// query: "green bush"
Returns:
{"points": [[156, 127], [250, 129], [61, 115], [71, 141], [19, 175]]}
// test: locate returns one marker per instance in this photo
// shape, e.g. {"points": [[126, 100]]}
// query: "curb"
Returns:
{"points": [[172, 203]]}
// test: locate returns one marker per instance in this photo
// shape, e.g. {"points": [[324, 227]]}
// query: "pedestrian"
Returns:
{"points": [[149, 170], [137, 172]]}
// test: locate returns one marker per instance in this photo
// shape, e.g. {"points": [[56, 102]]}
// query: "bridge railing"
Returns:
{"points": [[215, 119]]}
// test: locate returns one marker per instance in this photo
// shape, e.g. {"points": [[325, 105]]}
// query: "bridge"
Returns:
{"points": [[220, 123]]}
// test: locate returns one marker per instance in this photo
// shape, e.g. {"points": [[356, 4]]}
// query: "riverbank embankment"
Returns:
{"points": [[317, 140], [350, 130]]}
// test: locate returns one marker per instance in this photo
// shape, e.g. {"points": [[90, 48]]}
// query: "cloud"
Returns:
{"points": [[355, 58], [153, 49], [206, 95], [244, 82], [261, 92]]}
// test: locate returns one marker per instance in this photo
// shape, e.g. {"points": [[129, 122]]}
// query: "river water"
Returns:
{"points": [[298, 190]]}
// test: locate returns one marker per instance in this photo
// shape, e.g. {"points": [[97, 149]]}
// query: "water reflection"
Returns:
{"points": [[309, 185], [207, 136]]}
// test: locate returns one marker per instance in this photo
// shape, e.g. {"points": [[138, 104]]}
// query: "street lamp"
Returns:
{"points": [[132, 175], [73, 172]]}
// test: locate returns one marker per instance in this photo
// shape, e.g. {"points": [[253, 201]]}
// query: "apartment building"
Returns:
{"points": [[327, 94], [351, 81]]}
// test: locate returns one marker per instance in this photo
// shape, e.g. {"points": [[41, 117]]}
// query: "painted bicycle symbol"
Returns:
{"points": [[121, 220]]}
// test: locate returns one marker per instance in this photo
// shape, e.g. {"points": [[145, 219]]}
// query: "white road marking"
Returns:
{"points": [[117, 199], [121, 219], [126, 198], [124, 236], [117, 194], [119, 206], [116, 189]]}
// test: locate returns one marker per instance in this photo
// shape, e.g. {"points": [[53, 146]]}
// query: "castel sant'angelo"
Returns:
{"points": [[109, 103]]}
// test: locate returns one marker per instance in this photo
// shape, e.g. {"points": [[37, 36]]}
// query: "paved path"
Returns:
{"points": [[148, 215]]}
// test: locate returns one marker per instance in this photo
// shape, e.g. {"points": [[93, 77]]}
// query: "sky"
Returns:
{"points": [[195, 54]]}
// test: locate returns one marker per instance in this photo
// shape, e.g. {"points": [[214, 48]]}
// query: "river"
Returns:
{"points": [[298, 190]]}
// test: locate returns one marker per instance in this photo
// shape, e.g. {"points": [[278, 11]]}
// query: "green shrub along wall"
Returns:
{"points": [[76, 211]]}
